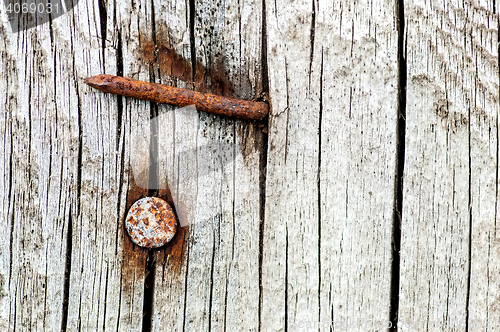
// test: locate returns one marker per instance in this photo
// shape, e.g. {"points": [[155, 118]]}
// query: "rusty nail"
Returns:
{"points": [[151, 222], [160, 93]]}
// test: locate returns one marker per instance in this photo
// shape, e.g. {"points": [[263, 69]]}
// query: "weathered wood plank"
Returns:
{"points": [[7, 64], [331, 164], [449, 247], [207, 281], [107, 271], [71, 184], [38, 179]]}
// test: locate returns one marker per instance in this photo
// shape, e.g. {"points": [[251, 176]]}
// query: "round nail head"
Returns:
{"points": [[151, 222]]}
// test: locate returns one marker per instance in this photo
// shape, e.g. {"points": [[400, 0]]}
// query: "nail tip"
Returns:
{"points": [[91, 81]]}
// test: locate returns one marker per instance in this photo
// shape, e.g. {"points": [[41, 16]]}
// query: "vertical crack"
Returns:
{"points": [[469, 204], [212, 271], [119, 124], [263, 160], [497, 134], [286, 282], [185, 291], [149, 282], [311, 40], [400, 148], [154, 182], [119, 101], [11, 204], [69, 236], [319, 184], [103, 17], [192, 12], [67, 273]]}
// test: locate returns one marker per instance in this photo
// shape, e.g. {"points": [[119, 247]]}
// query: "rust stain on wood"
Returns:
{"points": [[173, 253], [160, 53], [134, 257]]}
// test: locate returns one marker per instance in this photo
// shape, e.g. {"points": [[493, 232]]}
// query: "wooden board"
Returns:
{"points": [[449, 247], [213, 166], [39, 179], [106, 282], [333, 81], [70, 265], [290, 232]]}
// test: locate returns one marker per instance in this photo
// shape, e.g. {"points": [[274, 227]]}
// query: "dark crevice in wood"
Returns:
{"points": [[155, 42], [185, 290], [234, 223], [55, 75], [286, 281], [240, 52], [119, 125], [350, 102], [80, 142], [51, 33], [262, 214], [149, 283], [287, 144], [30, 121], [311, 39], [103, 17], [263, 158], [67, 273], [118, 315], [210, 300], [80, 312], [498, 138], [319, 182], [150, 268], [119, 72], [192, 12], [69, 235], [10, 257], [469, 204], [400, 163], [352, 37], [15, 310], [11, 204], [105, 298], [46, 284]]}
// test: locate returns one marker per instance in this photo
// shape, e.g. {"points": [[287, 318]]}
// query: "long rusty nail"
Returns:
{"points": [[160, 93], [151, 222]]}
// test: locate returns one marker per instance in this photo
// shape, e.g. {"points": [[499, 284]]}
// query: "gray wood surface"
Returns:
{"points": [[449, 249], [292, 222], [331, 165]]}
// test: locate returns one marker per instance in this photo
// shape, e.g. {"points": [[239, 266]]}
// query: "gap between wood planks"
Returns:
{"points": [[400, 164]]}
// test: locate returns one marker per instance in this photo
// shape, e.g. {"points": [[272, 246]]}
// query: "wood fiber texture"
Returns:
{"points": [[449, 244], [291, 223], [333, 82]]}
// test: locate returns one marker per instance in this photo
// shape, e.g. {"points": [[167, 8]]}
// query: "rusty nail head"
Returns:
{"points": [[151, 222]]}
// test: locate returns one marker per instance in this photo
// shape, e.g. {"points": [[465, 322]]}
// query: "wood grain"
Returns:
{"points": [[213, 166], [331, 165], [107, 270], [39, 133], [288, 232], [449, 244]]}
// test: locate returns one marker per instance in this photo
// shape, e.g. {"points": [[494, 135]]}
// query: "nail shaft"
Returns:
{"points": [[160, 93]]}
